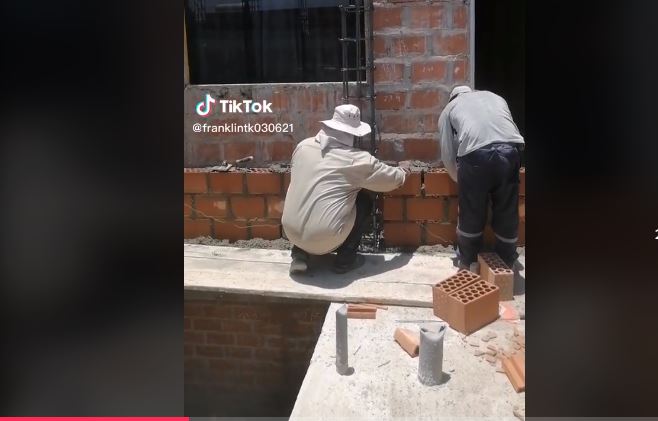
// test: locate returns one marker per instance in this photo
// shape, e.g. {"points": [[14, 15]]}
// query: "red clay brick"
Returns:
{"points": [[217, 310], [393, 208], [460, 70], [472, 307], [459, 16], [267, 230], [453, 209], [286, 182], [314, 100], [388, 72], [193, 309], [207, 324], [434, 71], [195, 182], [495, 271], [240, 353], [249, 340], [225, 182], [280, 151], [211, 206], [443, 289], [421, 149], [401, 234], [274, 206], [521, 241], [390, 101], [450, 44], [437, 233], [411, 186], [425, 98], [426, 16], [379, 46], [231, 231], [264, 183], [237, 150], [408, 340], [220, 338], [386, 17], [209, 351], [522, 209], [280, 101], [407, 45], [194, 338], [237, 326], [245, 207], [514, 367], [187, 204], [421, 123], [439, 183], [193, 228], [424, 209]]}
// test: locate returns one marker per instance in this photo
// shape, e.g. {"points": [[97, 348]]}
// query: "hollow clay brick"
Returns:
{"points": [[441, 291], [411, 186], [473, 306], [495, 271], [439, 183], [263, 182], [408, 340], [515, 369]]}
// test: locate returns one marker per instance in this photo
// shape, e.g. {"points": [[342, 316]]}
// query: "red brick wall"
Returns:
{"points": [[243, 205], [247, 355], [421, 52]]}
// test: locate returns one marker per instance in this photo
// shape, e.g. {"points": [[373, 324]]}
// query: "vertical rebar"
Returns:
{"points": [[357, 41], [343, 31], [430, 359]]}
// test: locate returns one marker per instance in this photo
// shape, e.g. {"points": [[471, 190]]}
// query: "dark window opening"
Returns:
{"points": [[500, 53], [265, 41]]}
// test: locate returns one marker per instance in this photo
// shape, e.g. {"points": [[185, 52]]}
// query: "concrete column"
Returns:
{"points": [[342, 365]]}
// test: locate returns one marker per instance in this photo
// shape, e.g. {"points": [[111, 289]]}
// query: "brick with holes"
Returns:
{"points": [[443, 289], [473, 307], [495, 271]]}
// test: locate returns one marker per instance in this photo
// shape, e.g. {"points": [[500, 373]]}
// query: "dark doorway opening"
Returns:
{"points": [[500, 52]]}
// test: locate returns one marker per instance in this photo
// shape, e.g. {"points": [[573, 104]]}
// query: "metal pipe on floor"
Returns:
{"points": [[430, 359]]}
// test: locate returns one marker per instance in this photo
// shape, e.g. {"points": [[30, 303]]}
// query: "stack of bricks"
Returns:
{"points": [[245, 204], [466, 301], [421, 51], [244, 344]]}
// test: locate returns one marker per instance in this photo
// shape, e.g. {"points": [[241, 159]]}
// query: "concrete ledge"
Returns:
{"points": [[388, 278]]}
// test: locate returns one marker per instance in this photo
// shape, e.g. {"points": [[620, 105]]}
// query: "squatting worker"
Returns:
{"points": [[480, 149], [325, 209]]}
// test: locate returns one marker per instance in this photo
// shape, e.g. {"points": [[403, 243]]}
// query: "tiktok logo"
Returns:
{"points": [[204, 108]]}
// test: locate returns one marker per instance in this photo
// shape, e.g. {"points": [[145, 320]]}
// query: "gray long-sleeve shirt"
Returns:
{"points": [[471, 121]]}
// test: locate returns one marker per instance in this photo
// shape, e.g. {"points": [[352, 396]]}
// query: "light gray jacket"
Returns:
{"points": [[473, 120], [327, 174]]}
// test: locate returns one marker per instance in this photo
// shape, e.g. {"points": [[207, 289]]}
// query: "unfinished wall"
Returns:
{"points": [[421, 52], [243, 205], [247, 355]]}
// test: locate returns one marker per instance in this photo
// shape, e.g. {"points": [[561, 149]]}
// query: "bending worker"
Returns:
{"points": [[325, 209], [480, 149]]}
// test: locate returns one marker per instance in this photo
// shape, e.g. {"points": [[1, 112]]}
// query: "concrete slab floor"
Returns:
{"points": [[384, 384], [388, 278]]}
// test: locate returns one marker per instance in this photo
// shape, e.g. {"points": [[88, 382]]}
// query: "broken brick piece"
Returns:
{"points": [[495, 271], [359, 307], [473, 306], [351, 314], [441, 290], [515, 369], [408, 340]]}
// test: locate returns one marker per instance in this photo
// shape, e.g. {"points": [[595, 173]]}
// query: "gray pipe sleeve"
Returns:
{"points": [[430, 360], [342, 365]]}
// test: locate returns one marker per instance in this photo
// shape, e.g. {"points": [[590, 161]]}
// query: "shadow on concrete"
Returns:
{"points": [[320, 274]]}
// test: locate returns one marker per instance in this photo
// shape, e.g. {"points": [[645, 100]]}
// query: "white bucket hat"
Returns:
{"points": [[347, 118], [459, 90]]}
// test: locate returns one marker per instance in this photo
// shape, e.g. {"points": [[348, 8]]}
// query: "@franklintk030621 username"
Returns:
{"points": [[243, 128]]}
